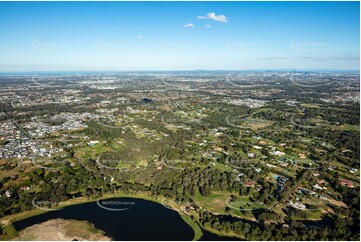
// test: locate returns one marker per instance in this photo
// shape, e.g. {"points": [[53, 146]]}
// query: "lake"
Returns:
{"points": [[126, 219]]}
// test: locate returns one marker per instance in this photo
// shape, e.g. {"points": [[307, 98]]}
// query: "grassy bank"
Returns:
{"points": [[197, 230]]}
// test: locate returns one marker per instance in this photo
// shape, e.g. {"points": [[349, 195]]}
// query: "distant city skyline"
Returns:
{"points": [[171, 36]]}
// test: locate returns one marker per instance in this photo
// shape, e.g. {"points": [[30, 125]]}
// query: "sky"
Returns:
{"points": [[130, 36]]}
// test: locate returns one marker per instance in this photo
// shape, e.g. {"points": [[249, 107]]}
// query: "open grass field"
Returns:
{"points": [[60, 229], [215, 202]]}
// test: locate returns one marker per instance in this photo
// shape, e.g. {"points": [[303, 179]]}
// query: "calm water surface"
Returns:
{"points": [[126, 219]]}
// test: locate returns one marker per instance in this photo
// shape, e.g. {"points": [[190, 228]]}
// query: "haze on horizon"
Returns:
{"points": [[90, 36]]}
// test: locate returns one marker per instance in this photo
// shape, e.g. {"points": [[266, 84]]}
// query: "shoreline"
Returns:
{"points": [[196, 227]]}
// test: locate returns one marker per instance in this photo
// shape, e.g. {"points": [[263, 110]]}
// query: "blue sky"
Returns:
{"points": [[70, 36]]}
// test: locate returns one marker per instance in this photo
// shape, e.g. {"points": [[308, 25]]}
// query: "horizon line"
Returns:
{"points": [[193, 70]]}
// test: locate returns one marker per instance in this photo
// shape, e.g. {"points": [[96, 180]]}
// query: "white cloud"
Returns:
{"points": [[139, 37], [188, 25], [207, 26], [213, 16]]}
